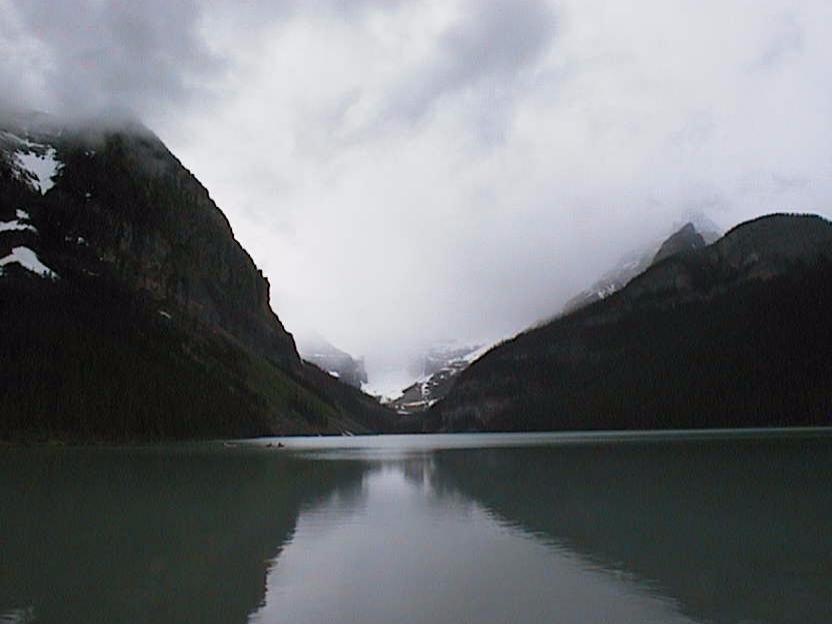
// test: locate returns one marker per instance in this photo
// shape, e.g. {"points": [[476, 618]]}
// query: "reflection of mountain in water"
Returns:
{"points": [[409, 551], [736, 532], [167, 536], [711, 531]]}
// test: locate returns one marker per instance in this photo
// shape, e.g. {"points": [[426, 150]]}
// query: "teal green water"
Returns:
{"points": [[715, 527]]}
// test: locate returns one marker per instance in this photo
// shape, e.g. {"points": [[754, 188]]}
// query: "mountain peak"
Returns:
{"points": [[695, 232], [686, 239]]}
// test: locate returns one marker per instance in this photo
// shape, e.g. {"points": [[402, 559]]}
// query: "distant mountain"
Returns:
{"points": [[697, 232], [129, 311], [734, 334], [316, 349], [439, 367]]}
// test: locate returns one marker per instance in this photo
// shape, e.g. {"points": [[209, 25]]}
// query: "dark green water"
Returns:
{"points": [[723, 528]]}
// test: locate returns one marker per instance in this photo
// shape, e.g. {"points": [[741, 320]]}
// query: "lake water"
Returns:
{"points": [[708, 527]]}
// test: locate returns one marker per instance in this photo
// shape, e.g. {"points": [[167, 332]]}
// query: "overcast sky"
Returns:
{"points": [[412, 171]]}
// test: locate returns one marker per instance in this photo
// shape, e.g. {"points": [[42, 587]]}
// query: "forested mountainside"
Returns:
{"points": [[129, 311], [735, 334]]}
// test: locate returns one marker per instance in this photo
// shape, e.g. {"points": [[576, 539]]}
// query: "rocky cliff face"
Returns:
{"points": [[725, 335], [113, 256]]}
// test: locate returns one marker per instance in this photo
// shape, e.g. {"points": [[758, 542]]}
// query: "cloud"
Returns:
{"points": [[488, 48], [787, 40], [102, 56], [151, 58]]}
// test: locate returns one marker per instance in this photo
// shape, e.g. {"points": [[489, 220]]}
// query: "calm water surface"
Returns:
{"points": [[718, 528]]}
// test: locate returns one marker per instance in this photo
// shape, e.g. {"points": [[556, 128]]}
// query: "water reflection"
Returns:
{"points": [[733, 531], [428, 529], [162, 535], [416, 551]]}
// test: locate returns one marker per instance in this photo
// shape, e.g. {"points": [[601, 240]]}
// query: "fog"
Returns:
{"points": [[419, 171]]}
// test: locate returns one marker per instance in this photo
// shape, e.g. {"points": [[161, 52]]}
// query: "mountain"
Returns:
{"points": [[685, 240], [316, 349], [697, 232], [128, 309], [439, 368], [734, 334]]}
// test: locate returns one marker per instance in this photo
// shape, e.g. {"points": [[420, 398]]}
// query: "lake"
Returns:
{"points": [[716, 527]]}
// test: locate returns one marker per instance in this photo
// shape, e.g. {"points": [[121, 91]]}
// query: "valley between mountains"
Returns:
{"points": [[129, 312]]}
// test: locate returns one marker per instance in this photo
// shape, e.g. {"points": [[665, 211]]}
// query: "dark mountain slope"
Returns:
{"points": [[735, 334], [686, 239], [128, 308], [155, 227]]}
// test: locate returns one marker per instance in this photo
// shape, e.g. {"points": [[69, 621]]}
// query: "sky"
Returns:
{"points": [[407, 172]]}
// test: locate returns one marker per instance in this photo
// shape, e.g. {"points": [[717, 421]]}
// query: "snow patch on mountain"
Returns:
{"points": [[19, 224], [37, 163], [43, 167], [29, 260], [478, 353]]}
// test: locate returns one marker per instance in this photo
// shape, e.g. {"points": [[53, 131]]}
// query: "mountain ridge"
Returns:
{"points": [[701, 339], [697, 231], [430, 389]]}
